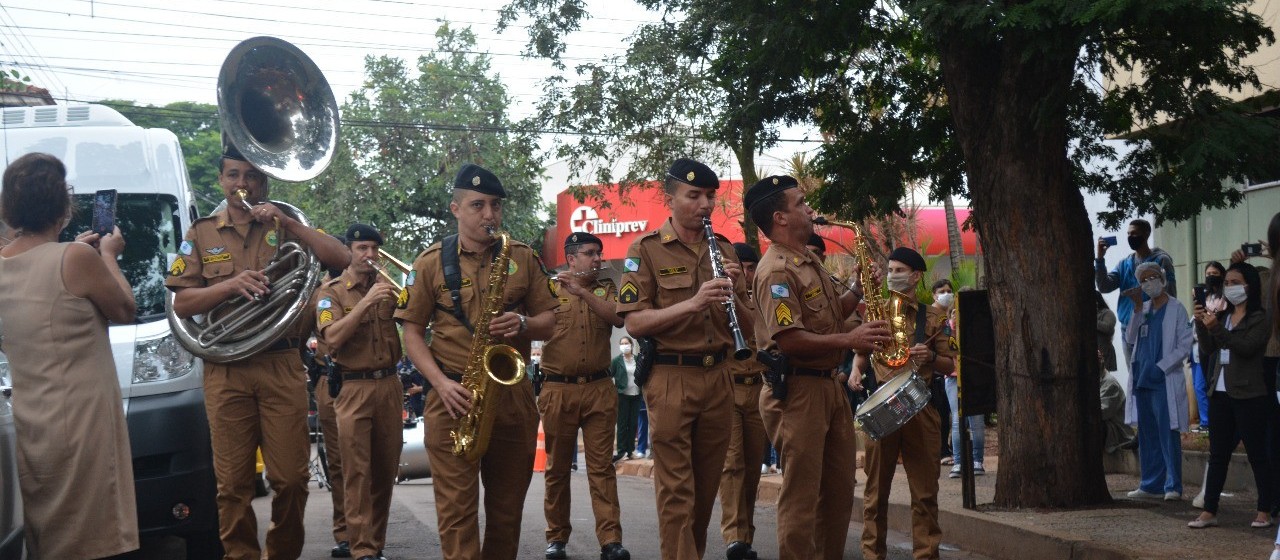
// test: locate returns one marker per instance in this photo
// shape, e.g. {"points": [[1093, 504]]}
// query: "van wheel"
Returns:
{"points": [[260, 487], [204, 546]]}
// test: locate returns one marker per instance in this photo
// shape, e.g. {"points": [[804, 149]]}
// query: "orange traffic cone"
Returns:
{"points": [[540, 456]]}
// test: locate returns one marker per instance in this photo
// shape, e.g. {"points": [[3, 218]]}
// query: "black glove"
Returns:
{"points": [[646, 351]]}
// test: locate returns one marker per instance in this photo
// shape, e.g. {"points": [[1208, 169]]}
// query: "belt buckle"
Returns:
{"points": [[750, 381], [581, 379], [379, 374], [708, 360]]}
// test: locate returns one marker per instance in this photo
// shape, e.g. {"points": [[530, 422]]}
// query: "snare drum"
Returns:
{"points": [[892, 405]]}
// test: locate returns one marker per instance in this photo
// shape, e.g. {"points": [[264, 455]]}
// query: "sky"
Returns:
{"points": [[157, 52]]}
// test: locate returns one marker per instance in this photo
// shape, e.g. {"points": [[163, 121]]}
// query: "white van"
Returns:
{"points": [[162, 384]]}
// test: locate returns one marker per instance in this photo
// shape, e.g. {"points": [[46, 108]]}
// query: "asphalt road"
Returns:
{"points": [[412, 530]]}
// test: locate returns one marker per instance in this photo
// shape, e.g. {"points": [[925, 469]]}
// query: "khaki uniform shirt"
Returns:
{"points": [[941, 343], [661, 271], [749, 366], [375, 343], [580, 345], [215, 250], [794, 291], [427, 300]]}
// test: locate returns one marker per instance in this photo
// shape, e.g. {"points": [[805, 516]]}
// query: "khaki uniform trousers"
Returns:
{"points": [[689, 423], [371, 432], [917, 443], [333, 457], [505, 470], [594, 407], [261, 401], [741, 475], [813, 431]]}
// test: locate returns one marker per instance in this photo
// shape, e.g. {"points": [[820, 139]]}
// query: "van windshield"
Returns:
{"points": [[149, 223]]}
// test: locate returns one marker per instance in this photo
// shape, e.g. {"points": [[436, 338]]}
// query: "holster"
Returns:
{"points": [[647, 349], [335, 378], [775, 374], [537, 377]]}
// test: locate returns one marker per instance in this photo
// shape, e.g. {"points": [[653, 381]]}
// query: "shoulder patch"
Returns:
{"points": [[631, 264], [551, 285], [599, 291], [779, 291], [324, 303], [179, 266], [411, 279], [628, 293], [326, 316], [186, 248], [402, 300], [783, 315]]}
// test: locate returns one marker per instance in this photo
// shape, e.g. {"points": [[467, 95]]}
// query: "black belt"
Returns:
{"points": [[689, 360], [577, 379], [374, 374], [810, 372], [747, 379], [284, 344]]}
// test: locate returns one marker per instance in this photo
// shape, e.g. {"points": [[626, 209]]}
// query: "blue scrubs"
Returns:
{"points": [[1159, 446]]}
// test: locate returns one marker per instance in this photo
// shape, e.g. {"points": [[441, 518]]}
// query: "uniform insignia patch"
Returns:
{"points": [[551, 285], [402, 300], [186, 248], [628, 293], [444, 289], [215, 258], [666, 237], [326, 316], [324, 303], [411, 279], [689, 175], [346, 310], [475, 181], [564, 300], [272, 239], [779, 291], [179, 266], [511, 267], [599, 292], [817, 291], [955, 345], [673, 270], [783, 315], [631, 264], [795, 260], [215, 250]]}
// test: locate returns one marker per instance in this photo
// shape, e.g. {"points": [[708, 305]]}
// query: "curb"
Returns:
{"points": [[972, 531]]}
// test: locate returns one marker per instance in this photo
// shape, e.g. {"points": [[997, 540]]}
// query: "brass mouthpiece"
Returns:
{"points": [[244, 198], [820, 220]]}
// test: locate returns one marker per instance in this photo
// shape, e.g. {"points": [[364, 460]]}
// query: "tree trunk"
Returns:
{"points": [[745, 153], [1009, 111], [955, 245]]}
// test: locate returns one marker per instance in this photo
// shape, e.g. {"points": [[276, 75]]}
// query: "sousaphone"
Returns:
{"points": [[278, 111]]}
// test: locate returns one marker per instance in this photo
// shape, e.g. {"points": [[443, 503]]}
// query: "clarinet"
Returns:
{"points": [[740, 349]]}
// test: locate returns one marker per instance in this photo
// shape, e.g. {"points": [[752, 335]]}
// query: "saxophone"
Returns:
{"points": [[488, 363], [902, 325]]}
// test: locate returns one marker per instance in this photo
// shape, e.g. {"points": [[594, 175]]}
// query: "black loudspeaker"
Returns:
{"points": [[975, 336]]}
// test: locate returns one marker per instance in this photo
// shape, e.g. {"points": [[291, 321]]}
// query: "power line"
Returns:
{"points": [[32, 51]]}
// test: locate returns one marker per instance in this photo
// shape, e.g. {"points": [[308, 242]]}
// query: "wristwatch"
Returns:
{"points": [[524, 323]]}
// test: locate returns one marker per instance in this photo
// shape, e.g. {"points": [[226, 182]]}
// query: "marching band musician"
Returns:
{"points": [[804, 315], [916, 442], [328, 421], [578, 392], [741, 476], [669, 293], [528, 314], [354, 319], [261, 400]]}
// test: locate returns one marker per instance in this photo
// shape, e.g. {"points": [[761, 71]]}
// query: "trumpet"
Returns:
{"points": [[380, 266], [556, 277]]}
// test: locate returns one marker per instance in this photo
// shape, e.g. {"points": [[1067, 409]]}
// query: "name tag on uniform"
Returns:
{"points": [[215, 258], [673, 270], [444, 288], [1224, 356], [1142, 331], [813, 293]]}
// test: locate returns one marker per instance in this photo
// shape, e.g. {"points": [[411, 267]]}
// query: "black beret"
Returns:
{"points": [[908, 257], [815, 240], [688, 171], [230, 152], [363, 232], [746, 253], [580, 237], [766, 188], [472, 177]]}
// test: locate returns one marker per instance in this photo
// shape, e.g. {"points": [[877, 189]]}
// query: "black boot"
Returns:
{"points": [[342, 550], [614, 551], [555, 551]]}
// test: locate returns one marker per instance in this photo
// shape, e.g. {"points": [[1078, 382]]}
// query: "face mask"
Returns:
{"points": [[1235, 294], [945, 299], [624, 348], [1136, 242], [900, 282], [1153, 287], [1213, 282], [535, 359]]}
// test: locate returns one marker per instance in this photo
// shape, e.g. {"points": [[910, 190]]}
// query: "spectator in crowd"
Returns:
{"points": [[623, 368], [1118, 434], [1160, 335], [1123, 278], [642, 431], [56, 298], [1213, 273], [944, 298], [1106, 330], [415, 387], [1231, 346]]}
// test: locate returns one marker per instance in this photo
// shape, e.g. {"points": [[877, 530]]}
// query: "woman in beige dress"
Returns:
{"points": [[74, 465]]}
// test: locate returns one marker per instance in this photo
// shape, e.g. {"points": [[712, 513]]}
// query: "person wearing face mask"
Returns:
{"points": [[1232, 344], [1123, 278], [914, 442], [943, 295], [1214, 303], [623, 367], [944, 298], [1160, 334]]}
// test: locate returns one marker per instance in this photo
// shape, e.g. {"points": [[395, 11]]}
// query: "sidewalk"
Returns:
{"points": [[1127, 529]]}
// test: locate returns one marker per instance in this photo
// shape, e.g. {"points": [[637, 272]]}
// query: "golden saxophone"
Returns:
{"points": [[488, 363], [902, 325]]}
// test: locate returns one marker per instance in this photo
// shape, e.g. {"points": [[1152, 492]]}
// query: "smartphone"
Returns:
{"points": [[1110, 240], [1201, 293], [1251, 249], [104, 211]]}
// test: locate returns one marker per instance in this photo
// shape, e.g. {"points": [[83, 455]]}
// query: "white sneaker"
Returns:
{"points": [[955, 472], [1275, 554], [978, 470], [1172, 496], [764, 469], [1139, 493]]}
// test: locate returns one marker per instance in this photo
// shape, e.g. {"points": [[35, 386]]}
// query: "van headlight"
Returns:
{"points": [[161, 359]]}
